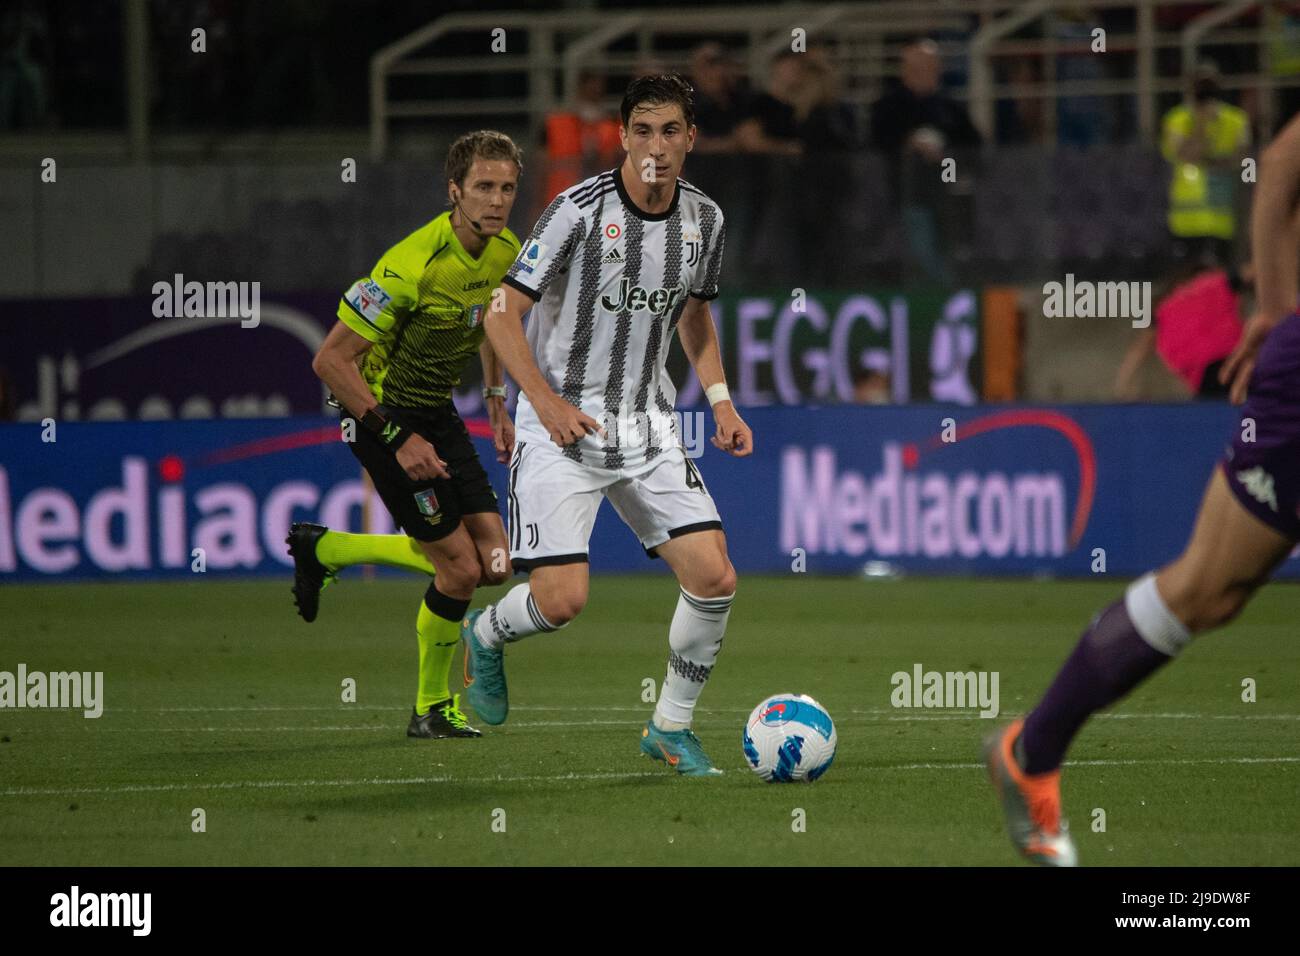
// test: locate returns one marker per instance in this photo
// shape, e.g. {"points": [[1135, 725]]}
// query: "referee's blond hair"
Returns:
{"points": [[480, 144]]}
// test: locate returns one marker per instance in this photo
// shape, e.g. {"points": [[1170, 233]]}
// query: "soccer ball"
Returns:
{"points": [[789, 737]]}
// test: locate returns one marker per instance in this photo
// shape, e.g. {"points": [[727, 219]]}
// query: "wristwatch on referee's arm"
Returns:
{"points": [[494, 391], [377, 422]]}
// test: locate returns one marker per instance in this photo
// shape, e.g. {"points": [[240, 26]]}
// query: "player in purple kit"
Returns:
{"points": [[1248, 523]]}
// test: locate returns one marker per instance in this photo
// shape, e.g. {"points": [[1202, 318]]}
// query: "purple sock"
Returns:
{"points": [[1111, 658]]}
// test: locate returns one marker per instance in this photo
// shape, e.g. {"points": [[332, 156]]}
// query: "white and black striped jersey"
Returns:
{"points": [[610, 282]]}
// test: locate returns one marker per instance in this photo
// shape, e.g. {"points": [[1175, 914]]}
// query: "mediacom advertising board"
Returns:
{"points": [[1057, 490]]}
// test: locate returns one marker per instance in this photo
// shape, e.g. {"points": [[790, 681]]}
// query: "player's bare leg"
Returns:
{"points": [[438, 625], [319, 553], [1230, 555], [708, 585], [553, 596], [489, 536], [560, 591]]}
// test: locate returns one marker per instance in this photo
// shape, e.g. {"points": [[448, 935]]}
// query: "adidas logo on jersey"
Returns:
{"points": [[613, 256]]}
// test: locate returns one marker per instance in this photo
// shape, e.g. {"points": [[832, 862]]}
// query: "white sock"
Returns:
{"points": [[1152, 619], [511, 619], [694, 639]]}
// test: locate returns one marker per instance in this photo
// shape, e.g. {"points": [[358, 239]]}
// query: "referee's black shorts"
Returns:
{"points": [[428, 510]]}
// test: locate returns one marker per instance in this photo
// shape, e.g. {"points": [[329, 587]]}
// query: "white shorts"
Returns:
{"points": [[553, 502]]}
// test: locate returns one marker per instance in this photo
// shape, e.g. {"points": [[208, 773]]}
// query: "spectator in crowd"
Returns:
{"points": [[1203, 139], [649, 66], [721, 102], [23, 89], [775, 115], [832, 122], [1021, 119], [871, 386], [800, 123], [1081, 121], [1197, 326], [581, 138], [802, 111], [599, 121], [917, 126]]}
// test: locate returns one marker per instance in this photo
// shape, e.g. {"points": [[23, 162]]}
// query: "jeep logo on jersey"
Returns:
{"points": [[635, 298]]}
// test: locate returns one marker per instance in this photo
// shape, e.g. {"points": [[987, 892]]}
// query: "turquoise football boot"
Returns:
{"points": [[680, 749], [485, 674]]}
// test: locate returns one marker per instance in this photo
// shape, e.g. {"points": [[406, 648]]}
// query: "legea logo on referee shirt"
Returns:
{"points": [[208, 300]]}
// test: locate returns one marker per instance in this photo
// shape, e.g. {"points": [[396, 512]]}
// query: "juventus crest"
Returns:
{"points": [[691, 240]]}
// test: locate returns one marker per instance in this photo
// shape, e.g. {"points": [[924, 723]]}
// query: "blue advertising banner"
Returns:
{"points": [[929, 489]]}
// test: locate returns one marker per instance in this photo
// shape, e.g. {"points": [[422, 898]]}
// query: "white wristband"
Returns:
{"points": [[717, 393]]}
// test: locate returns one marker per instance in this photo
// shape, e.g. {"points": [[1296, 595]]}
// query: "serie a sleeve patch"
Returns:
{"points": [[531, 256]]}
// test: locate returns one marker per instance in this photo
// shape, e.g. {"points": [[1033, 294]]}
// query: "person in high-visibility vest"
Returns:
{"points": [[1204, 140], [580, 137]]}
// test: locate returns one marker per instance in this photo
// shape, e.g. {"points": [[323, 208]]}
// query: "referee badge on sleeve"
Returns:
{"points": [[368, 299], [473, 316]]}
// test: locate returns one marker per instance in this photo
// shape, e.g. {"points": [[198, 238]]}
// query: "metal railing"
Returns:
{"points": [[865, 41]]}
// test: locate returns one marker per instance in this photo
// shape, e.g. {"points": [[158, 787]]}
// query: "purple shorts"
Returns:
{"points": [[1264, 473]]}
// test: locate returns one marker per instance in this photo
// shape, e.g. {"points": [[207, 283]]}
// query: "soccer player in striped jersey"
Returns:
{"points": [[614, 267], [1248, 523], [403, 337]]}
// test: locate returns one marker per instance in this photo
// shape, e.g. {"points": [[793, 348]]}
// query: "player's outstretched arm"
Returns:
{"points": [[1274, 235], [700, 343], [1275, 242], [505, 332]]}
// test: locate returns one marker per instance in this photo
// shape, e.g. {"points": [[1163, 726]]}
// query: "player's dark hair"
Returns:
{"points": [[480, 144], [656, 90]]}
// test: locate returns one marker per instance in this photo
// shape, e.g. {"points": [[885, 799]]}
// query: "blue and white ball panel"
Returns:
{"points": [[789, 737], [797, 710]]}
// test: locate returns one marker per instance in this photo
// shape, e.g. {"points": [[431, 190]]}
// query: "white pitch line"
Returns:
{"points": [[1203, 716], [975, 715], [710, 717], [892, 713], [344, 708], [299, 784], [1176, 761], [561, 778], [385, 728]]}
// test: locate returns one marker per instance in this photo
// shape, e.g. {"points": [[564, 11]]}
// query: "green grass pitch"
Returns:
{"points": [[218, 697]]}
